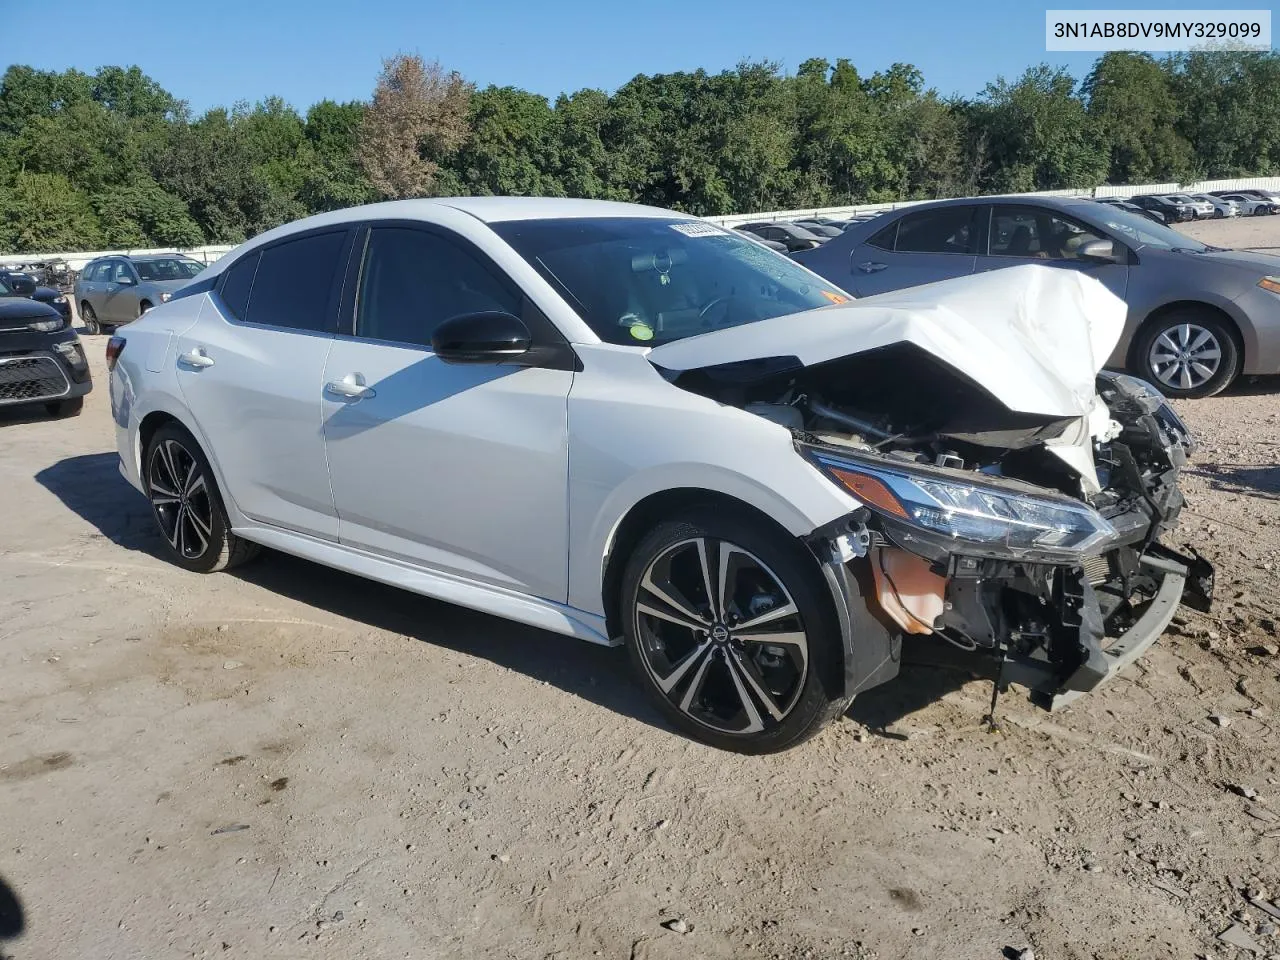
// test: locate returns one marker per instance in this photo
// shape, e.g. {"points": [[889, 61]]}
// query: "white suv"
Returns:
{"points": [[628, 425]]}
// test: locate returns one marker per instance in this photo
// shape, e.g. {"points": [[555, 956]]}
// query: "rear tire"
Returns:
{"points": [[65, 408], [187, 505], [733, 669], [1188, 352], [89, 319]]}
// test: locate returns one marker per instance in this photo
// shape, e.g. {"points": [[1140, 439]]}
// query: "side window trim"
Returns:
{"points": [[974, 224], [549, 347], [335, 295]]}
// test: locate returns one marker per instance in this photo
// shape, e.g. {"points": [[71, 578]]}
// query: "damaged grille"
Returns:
{"points": [[31, 378]]}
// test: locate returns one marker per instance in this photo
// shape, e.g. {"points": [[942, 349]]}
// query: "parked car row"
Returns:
{"points": [[1198, 315], [754, 484], [790, 236]]}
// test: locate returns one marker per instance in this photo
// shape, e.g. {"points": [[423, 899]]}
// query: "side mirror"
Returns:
{"points": [[490, 336], [1102, 251], [126, 281]]}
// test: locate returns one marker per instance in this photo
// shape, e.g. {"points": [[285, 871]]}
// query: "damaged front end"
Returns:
{"points": [[1031, 539], [985, 540]]}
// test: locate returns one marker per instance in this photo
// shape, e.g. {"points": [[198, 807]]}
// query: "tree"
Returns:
{"points": [[44, 213], [417, 118], [512, 149], [1039, 134], [1135, 115]]}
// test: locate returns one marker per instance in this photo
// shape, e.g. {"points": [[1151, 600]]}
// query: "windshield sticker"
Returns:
{"points": [[641, 331], [834, 297], [696, 229]]}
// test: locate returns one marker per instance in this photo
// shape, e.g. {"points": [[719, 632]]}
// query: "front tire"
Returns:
{"points": [[187, 506], [731, 631], [1188, 352]]}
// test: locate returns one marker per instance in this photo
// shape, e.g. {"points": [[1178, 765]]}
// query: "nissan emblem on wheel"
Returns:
{"points": [[629, 426]]}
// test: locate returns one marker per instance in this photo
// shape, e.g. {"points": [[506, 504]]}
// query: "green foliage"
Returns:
{"points": [[111, 158]]}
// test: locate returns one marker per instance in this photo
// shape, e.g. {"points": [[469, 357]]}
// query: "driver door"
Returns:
{"points": [[120, 296], [459, 468]]}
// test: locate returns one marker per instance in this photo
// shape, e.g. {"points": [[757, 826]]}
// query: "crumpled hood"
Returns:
{"points": [[1034, 337]]}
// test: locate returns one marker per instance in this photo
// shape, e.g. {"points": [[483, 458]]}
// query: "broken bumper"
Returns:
{"points": [[1135, 641]]}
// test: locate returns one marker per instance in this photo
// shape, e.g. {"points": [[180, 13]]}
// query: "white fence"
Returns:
{"points": [[1104, 190], [76, 260]]}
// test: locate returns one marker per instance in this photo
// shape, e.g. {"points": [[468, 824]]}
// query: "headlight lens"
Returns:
{"points": [[59, 299], [164, 297], [47, 326], [992, 518], [1270, 283]]}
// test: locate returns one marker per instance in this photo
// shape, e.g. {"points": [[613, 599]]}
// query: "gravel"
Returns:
{"points": [[391, 715]]}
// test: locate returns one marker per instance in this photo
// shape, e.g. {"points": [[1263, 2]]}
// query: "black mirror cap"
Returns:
{"points": [[490, 336]]}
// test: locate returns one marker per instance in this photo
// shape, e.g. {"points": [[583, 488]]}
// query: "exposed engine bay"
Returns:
{"points": [[1032, 538]]}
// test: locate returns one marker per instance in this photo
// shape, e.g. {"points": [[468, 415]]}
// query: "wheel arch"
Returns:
{"points": [[156, 417], [656, 507], [1232, 321]]}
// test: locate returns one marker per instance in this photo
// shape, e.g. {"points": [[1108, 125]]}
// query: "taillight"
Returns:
{"points": [[115, 347]]}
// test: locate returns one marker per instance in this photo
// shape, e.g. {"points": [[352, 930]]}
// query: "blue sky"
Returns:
{"points": [[214, 52]]}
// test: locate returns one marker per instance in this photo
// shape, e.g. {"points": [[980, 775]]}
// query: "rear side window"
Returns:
{"points": [[949, 230], [886, 238], [295, 282], [413, 280], [236, 284]]}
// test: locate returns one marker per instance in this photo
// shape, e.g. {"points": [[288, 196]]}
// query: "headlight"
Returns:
{"points": [[164, 297], [47, 326], [59, 299], [992, 518]]}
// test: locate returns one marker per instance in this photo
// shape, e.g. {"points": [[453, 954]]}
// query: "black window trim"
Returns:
{"points": [[335, 296], [550, 349], [975, 221], [1130, 257]]}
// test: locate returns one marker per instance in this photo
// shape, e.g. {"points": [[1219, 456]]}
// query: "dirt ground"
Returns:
{"points": [[291, 762]]}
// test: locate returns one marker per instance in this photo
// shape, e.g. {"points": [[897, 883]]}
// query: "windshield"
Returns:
{"points": [[646, 281], [173, 268], [1143, 232]]}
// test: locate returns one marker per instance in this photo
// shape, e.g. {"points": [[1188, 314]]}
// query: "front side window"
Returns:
{"points": [[294, 283], [120, 272], [945, 230], [646, 281], [413, 280], [1036, 233], [175, 268]]}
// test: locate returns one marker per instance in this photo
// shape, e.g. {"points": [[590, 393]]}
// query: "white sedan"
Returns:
{"points": [[633, 427], [1251, 206]]}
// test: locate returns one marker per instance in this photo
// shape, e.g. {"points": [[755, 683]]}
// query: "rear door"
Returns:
{"points": [[251, 371], [1022, 233], [935, 244]]}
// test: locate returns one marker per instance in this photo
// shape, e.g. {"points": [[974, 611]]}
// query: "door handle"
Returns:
{"points": [[196, 358], [351, 387], [871, 266]]}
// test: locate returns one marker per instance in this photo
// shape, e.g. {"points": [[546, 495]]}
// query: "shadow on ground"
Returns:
{"points": [[1254, 387], [12, 919], [598, 674], [930, 670], [92, 487], [1250, 479]]}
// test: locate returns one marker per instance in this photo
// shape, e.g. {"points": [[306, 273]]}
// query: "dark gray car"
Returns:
{"points": [[113, 291], [1198, 315]]}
